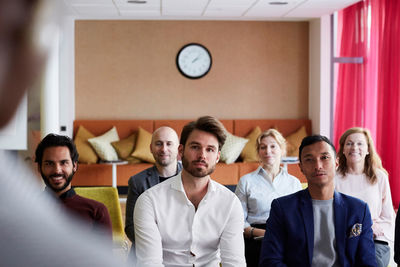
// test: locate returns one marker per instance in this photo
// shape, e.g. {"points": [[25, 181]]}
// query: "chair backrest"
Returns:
{"points": [[109, 197]]}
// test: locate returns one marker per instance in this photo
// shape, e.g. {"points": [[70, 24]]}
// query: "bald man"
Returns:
{"points": [[164, 147]]}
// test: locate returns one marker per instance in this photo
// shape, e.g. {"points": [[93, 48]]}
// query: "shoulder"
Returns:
{"points": [[292, 200], [250, 176], [290, 178], [161, 187], [351, 202], [89, 202], [141, 176], [381, 176], [224, 193]]}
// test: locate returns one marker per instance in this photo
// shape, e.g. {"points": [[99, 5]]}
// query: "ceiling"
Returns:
{"points": [[204, 9]]}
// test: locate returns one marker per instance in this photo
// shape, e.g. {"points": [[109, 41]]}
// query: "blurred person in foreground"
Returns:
{"points": [[361, 174], [34, 230], [257, 189]]}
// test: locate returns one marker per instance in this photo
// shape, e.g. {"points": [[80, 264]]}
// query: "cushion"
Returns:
{"points": [[249, 152], [142, 147], [232, 148], [294, 141], [85, 150], [102, 145], [133, 160], [125, 146]]}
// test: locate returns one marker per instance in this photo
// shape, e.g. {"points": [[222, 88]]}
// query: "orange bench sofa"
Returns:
{"points": [[228, 174]]}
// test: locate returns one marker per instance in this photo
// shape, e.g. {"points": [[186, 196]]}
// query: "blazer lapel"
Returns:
{"points": [[152, 177], [340, 224], [308, 219]]}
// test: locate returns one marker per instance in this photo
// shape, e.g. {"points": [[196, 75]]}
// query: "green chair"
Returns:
{"points": [[109, 197]]}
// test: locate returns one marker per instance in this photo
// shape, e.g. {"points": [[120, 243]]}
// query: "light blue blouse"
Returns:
{"points": [[256, 191]]}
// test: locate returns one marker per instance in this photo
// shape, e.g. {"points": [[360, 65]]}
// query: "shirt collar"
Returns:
{"points": [[68, 194], [178, 185], [263, 173]]}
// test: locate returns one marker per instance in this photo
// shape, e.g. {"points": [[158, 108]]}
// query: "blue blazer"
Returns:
{"points": [[289, 235]]}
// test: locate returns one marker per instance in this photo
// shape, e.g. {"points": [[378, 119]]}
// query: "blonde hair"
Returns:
{"points": [[372, 161], [276, 135]]}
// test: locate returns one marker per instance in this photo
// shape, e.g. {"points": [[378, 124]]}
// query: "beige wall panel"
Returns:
{"points": [[127, 70]]}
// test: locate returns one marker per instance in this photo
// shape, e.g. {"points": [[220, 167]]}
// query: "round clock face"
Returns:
{"points": [[194, 61]]}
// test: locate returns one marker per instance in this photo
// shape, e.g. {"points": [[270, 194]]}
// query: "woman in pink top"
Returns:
{"points": [[360, 174]]}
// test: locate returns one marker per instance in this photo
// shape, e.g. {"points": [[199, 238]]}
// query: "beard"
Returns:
{"points": [[197, 172], [57, 189], [164, 162]]}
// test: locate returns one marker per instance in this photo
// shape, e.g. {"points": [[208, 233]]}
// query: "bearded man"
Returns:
{"points": [[191, 220], [57, 160]]}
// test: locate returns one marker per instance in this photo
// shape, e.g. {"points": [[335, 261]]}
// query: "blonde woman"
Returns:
{"points": [[257, 189], [360, 174]]}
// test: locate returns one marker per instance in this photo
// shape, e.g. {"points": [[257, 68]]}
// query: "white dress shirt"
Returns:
{"points": [[256, 191], [169, 231], [378, 198]]}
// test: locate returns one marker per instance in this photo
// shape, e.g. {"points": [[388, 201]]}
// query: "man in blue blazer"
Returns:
{"points": [[318, 226], [164, 147]]}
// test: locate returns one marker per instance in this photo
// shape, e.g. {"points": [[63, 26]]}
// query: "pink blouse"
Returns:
{"points": [[378, 198]]}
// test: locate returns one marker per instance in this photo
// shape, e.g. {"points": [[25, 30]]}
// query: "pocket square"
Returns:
{"points": [[355, 230]]}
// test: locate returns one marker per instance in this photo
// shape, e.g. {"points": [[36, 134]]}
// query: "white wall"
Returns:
{"points": [[67, 77], [319, 76]]}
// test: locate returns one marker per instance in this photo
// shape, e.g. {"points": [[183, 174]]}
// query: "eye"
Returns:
{"points": [[195, 147], [325, 157], [210, 149]]}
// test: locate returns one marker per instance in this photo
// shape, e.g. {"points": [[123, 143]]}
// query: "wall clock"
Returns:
{"points": [[194, 61]]}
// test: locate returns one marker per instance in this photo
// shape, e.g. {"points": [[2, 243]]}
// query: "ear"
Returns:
{"points": [[181, 148], [301, 169], [336, 162], [39, 168], [218, 156], [75, 164]]}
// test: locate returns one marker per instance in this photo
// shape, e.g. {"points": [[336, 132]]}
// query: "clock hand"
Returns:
{"points": [[194, 60]]}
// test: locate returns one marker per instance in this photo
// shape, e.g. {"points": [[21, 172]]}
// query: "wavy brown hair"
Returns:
{"points": [[372, 161]]}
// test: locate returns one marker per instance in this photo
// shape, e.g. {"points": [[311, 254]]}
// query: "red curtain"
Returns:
{"points": [[388, 127], [350, 98], [368, 94]]}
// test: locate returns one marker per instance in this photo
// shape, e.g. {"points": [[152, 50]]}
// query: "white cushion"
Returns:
{"points": [[232, 148], [102, 145]]}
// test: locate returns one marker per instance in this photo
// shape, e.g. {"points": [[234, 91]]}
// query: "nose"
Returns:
{"points": [[164, 147], [202, 153], [318, 164], [57, 168]]}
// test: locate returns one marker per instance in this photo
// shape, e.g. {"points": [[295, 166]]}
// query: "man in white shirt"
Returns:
{"points": [[190, 220]]}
